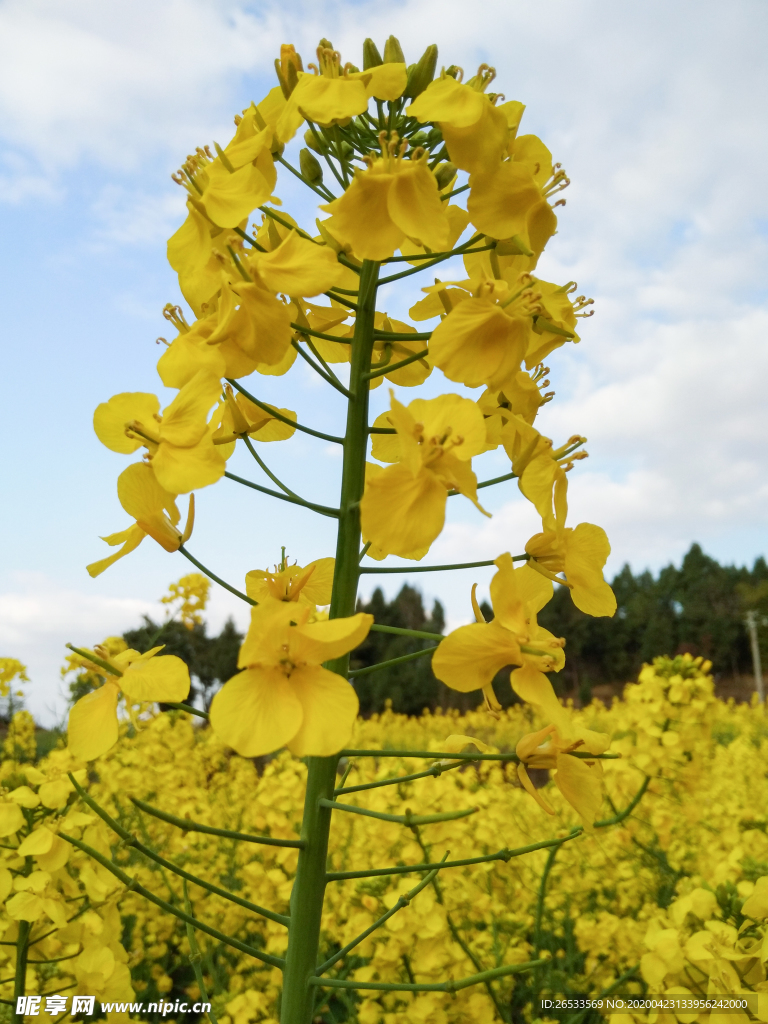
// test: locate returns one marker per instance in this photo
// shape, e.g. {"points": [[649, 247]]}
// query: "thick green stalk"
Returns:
{"points": [[21, 967], [309, 886]]}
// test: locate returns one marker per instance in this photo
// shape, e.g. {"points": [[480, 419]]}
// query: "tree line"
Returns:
{"points": [[698, 607]]}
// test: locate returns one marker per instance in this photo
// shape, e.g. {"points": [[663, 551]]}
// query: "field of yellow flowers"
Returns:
{"points": [[673, 898]]}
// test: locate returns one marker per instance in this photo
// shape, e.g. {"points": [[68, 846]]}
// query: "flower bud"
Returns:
{"points": [[393, 52], [422, 73], [371, 55], [312, 141], [287, 67], [445, 173], [311, 170]]}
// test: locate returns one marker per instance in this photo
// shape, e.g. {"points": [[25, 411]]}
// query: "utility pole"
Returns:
{"points": [[751, 623]]}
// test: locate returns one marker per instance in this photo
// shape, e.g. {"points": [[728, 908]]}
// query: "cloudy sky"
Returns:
{"points": [[656, 109]]}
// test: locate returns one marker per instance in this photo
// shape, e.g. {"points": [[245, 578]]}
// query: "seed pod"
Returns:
{"points": [[393, 52], [310, 169], [422, 73]]}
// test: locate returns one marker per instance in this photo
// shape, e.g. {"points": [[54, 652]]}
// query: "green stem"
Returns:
{"points": [[193, 826], [327, 377], [475, 757], [309, 884], [319, 334], [490, 483], [96, 661], [284, 419], [435, 568], [396, 366], [323, 510], [398, 631], [458, 251], [400, 819], [186, 707], [195, 956], [440, 986], [320, 190], [403, 901], [405, 869], [358, 672], [214, 577], [21, 967], [131, 841], [433, 772], [133, 885]]}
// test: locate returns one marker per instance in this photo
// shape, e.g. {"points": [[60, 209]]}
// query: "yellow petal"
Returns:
{"points": [[298, 267], [500, 200], [185, 421], [11, 819], [756, 905], [181, 470], [189, 353], [256, 712], [39, 841], [448, 101], [145, 500], [55, 794], [529, 787], [470, 656], [452, 416], [56, 857], [581, 785], [330, 707], [385, 82], [24, 906], [415, 206], [481, 145], [316, 642], [161, 679], [456, 744], [385, 447], [132, 537], [586, 553], [93, 723], [402, 513], [477, 343], [325, 100], [318, 588], [533, 687], [360, 217], [230, 198], [110, 420], [24, 797], [190, 253]]}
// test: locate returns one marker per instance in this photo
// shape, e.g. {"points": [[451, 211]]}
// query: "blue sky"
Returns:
{"points": [[657, 111]]}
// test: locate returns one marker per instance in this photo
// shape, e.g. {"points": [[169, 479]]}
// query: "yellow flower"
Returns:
{"points": [[335, 93], [93, 726], [391, 200], [284, 696], [579, 780], [403, 506], [180, 443], [226, 188], [580, 553], [239, 415], [507, 202], [310, 585], [485, 336], [476, 131], [154, 510], [470, 656], [189, 352]]}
